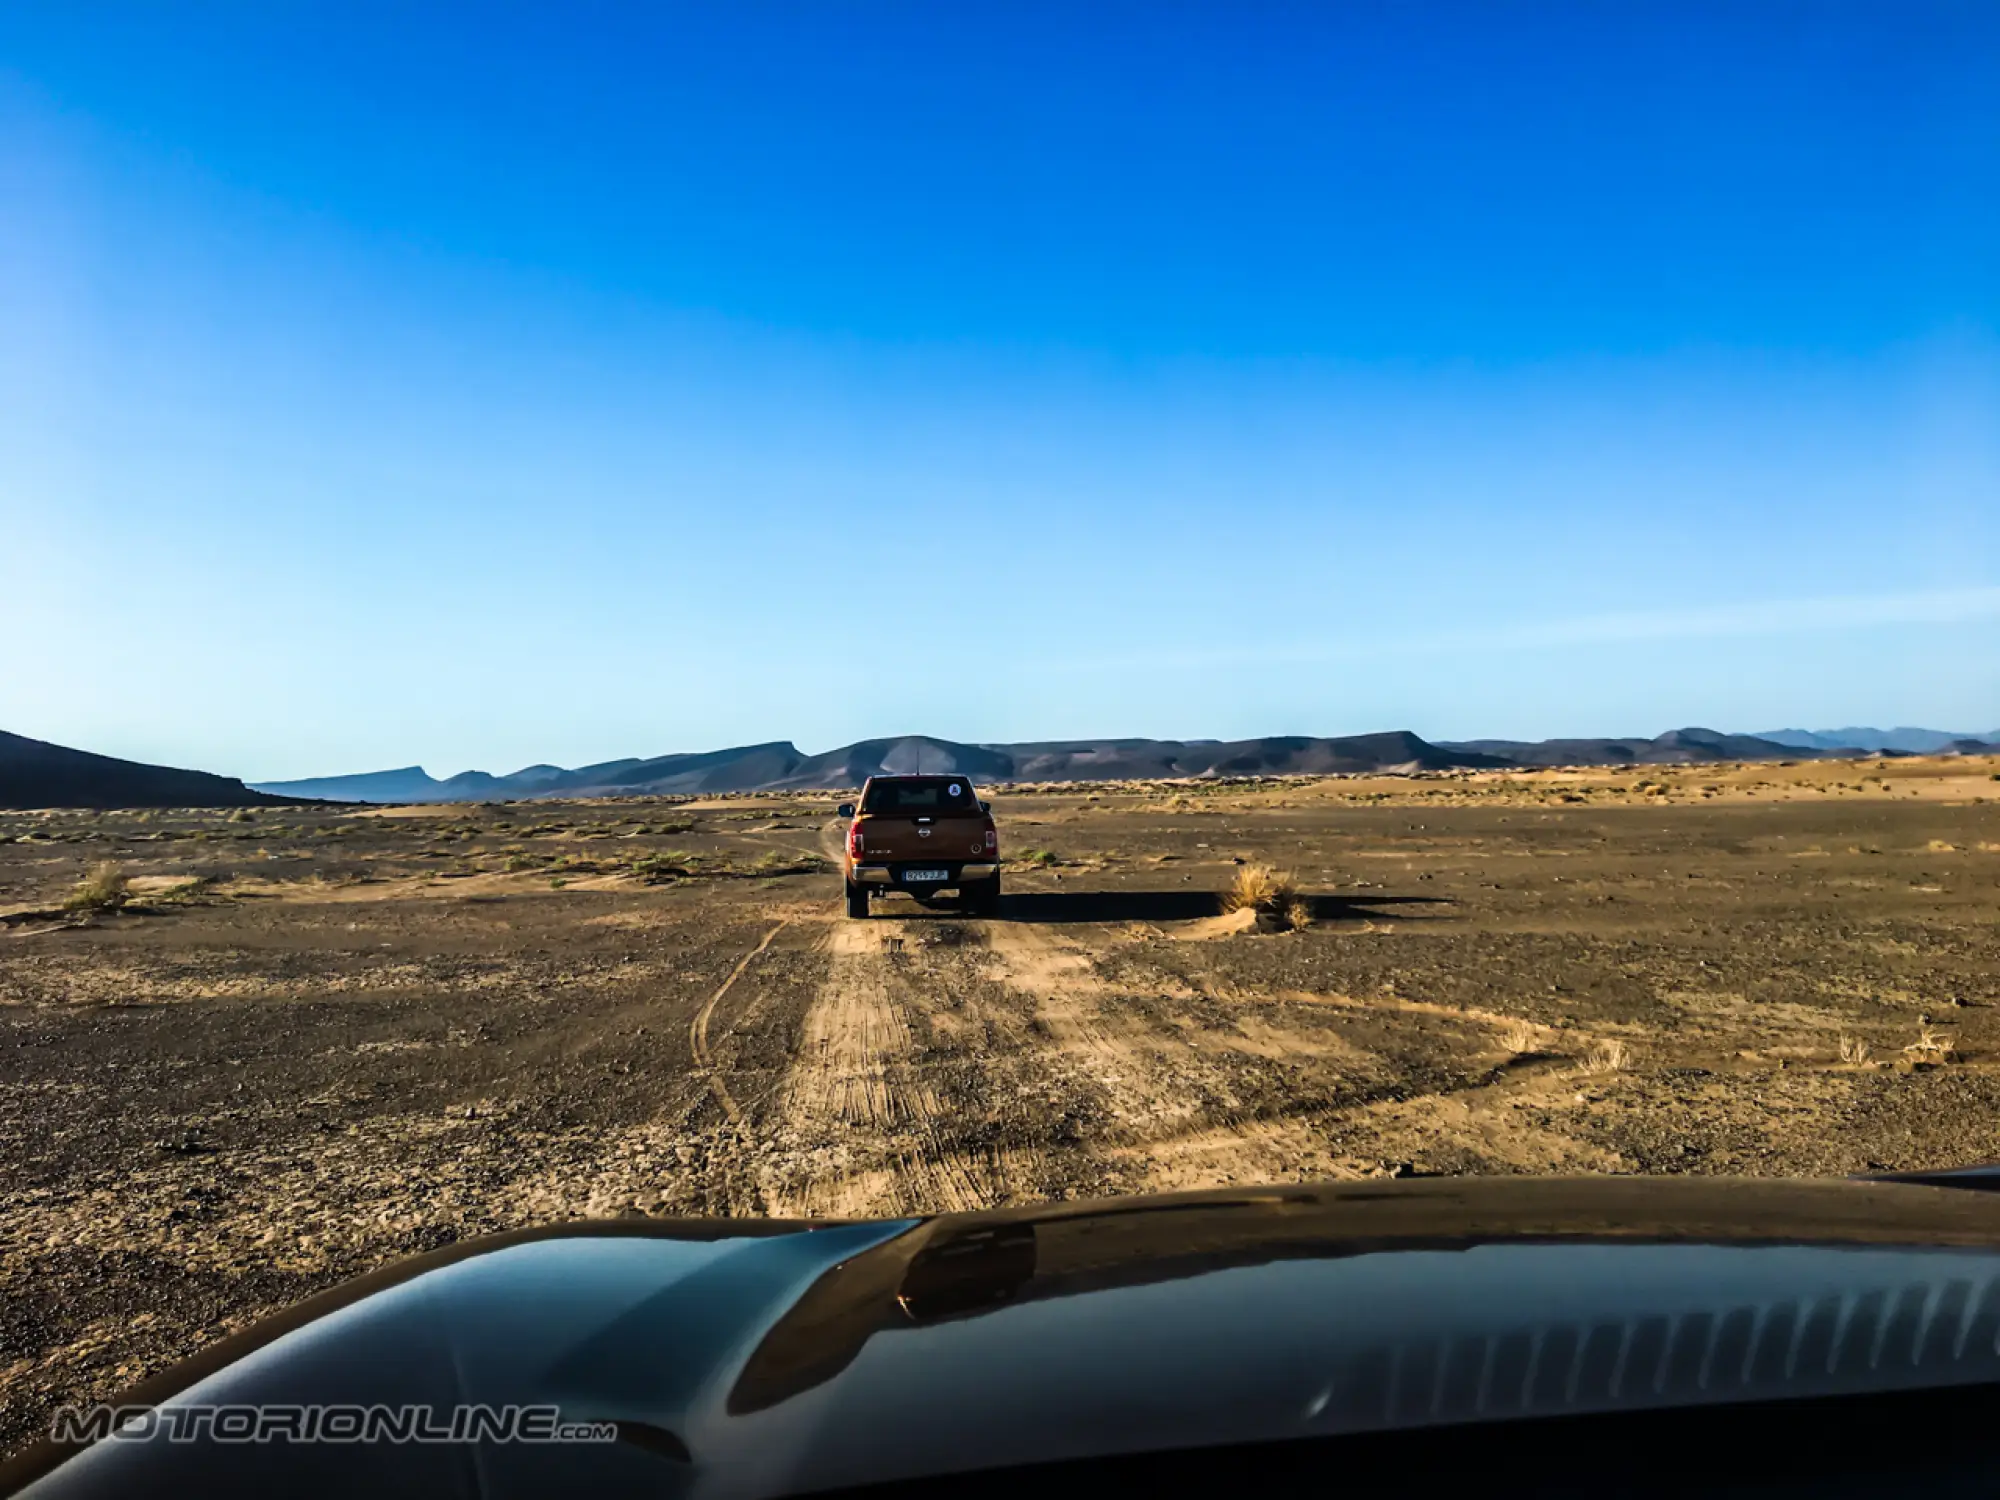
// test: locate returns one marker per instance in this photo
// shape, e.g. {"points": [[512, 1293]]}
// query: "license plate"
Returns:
{"points": [[924, 877]]}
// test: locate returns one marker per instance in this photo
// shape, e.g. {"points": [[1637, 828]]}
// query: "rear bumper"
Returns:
{"points": [[955, 872]]}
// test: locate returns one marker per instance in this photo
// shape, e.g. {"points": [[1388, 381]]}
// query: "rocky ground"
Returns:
{"points": [[312, 1041]]}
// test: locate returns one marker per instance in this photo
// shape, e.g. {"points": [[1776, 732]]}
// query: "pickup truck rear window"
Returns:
{"points": [[946, 794]]}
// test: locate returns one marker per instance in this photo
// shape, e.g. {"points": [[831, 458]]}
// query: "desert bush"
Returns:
{"points": [[1298, 914], [776, 863], [1853, 1050], [1931, 1046], [662, 867], [186, 890], [1257, 888], [1609, 1056], [103, 889], [1261, 889], [1040, 858], [1521, 1039]]}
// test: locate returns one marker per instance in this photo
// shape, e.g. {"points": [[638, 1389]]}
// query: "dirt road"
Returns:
{"points": [[369, 1034]]}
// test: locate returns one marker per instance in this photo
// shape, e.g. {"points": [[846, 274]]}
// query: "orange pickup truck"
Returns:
{"points": [[924, 835]]}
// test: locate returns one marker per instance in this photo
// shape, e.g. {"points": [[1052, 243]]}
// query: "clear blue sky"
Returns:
{"points": [[384, 385]]}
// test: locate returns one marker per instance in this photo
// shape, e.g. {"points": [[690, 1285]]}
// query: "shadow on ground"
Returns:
{"points": [[1056, 907]]}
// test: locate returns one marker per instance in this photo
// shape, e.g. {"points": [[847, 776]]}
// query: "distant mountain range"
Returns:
{"points": [[34, 773], [1908, 741], [1680, 746], [780, 765]]}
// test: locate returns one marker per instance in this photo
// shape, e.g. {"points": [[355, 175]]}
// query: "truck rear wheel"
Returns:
{"points": [[857, 899], [982, 898]]}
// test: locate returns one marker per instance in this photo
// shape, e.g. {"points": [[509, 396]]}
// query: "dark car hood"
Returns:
{"points": [[753, 1359]]}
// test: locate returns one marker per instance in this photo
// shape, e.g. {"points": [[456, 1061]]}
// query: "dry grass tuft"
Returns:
{"points": [[1258, 888], [1270, 893], [103, 889], [1854, 1051], [1610, 1056], [1521, 1039]]}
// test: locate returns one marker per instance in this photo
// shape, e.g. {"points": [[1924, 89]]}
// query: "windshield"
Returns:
{"points": [[939, 794]]}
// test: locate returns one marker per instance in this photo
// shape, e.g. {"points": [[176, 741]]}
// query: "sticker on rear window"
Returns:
{"points": [[953, 789]]}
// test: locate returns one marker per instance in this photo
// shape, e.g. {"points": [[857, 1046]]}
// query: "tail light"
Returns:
{"points": [[992, 838], [854, 840]]}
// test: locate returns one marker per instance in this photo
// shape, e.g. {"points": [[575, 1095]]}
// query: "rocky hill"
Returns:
{"points": [[35, 773]]}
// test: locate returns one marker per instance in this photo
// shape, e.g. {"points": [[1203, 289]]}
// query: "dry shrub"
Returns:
{"points": [[1931, 1046], [1854, 1051], [1260, 888], [1272, 894], [103, 889], [1521, 1039], [1610, 1056]]}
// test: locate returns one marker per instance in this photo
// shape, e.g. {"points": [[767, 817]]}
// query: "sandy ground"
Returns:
{"points": [[366, 1034]]}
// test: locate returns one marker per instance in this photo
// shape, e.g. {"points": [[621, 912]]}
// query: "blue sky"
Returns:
{"points": [[384, 385]]}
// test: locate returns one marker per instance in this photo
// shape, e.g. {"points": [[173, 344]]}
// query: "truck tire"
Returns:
{"points": [[983, 897], [857, 899]]}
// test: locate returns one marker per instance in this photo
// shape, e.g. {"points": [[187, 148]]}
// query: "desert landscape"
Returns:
{"points": [[252, 1051]]}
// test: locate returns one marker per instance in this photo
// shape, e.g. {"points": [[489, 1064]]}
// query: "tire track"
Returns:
{"points": [[1176, 1116], [1185, 1113], [698, 1030], [867, 1124]]}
